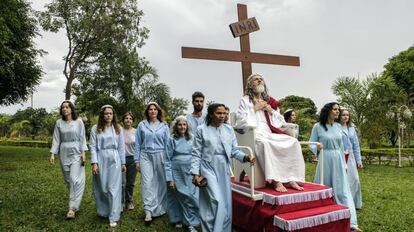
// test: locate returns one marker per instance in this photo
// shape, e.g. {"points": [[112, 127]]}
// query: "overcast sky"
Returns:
{"points": [[333, 38]]}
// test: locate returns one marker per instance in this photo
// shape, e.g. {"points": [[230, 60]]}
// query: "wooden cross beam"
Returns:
{"points": [[245, 56]]}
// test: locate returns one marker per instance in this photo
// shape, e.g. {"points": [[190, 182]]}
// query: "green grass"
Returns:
{"points": [[34, 198]]}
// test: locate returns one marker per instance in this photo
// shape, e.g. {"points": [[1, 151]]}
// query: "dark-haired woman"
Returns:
{"points": [[329, 134], [352, 156], [151, 142], [290, 118], [70, 143], [128, 178], [213, 148], [182, 196], [108, 163]]}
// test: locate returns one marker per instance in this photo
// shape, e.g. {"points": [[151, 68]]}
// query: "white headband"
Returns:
{"points": [[106, 106]]}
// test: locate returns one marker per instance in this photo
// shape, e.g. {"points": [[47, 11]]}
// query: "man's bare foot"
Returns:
{"points": [[278, 186], [295, 185]]}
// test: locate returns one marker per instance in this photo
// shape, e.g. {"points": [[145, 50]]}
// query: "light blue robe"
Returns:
{"points": [[213, 149], [195, 122], [334, 165], [151, 142], [69, 142], [108, 151], [351, 143], [183, 201]]}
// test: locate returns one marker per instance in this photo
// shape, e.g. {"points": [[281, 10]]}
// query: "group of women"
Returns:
{"points": [[171, 166], [342, 157]]}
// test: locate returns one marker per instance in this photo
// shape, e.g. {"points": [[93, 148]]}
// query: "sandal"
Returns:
{"points": [[70, 214]]}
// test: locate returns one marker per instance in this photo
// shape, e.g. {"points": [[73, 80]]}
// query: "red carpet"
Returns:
{"points": [[311, 210]]}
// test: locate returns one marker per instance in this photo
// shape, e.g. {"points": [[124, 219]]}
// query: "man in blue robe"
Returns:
{"points": [[196, 118]]}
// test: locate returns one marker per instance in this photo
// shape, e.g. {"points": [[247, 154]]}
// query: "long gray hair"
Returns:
{"points": [[249, 91], [174, 128]]}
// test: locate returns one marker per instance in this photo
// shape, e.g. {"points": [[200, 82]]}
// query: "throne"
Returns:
{"points": [[246, 142]]}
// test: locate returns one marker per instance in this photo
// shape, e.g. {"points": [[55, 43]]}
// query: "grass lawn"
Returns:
{"points": [[33, 197]]}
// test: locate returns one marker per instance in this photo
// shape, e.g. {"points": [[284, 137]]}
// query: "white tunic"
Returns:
{"points": [[279, 155]]}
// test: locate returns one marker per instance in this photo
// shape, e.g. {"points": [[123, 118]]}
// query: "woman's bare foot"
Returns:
{"points": [[356, 229], [295, 185], [278, 186]]}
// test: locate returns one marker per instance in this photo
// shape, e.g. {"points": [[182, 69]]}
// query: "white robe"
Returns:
{"points": [[279, 155]]}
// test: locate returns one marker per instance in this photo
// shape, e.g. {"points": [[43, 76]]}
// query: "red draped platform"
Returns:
{"points": [[311, 210]]}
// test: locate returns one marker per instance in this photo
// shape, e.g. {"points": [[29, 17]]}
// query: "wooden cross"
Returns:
{"points": [[244, 55]]}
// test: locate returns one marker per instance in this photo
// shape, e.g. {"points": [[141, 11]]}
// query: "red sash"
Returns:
{"points": [[274, 104]]}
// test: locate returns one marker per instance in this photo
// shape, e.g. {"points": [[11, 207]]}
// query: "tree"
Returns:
{"points": [[20, 71], [401, 69], [19, 127], [126, 81], [176, 107], [95, 30], [49, 123], [369, 101], [35, 117], [383, 93], [305, 110], [353, 94], [4, 124]]}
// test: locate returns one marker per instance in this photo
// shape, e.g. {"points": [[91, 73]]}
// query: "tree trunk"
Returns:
{"points": [[69, 88]]}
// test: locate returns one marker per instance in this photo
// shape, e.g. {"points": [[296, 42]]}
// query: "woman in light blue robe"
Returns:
{"points": [[151, 142], [351, 143], [182, 196], [329, 134], [108, 162], [70, 144], [213, 148]]}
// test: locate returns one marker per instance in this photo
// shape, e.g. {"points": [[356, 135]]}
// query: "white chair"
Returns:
{"points": [[246, 142]]}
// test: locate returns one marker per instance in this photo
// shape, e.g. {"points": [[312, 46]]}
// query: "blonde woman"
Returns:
{"points": [[150, 150]]}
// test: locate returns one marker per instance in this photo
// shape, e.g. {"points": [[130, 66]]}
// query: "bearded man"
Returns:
{"points": [[279, 154], [196, 118]]}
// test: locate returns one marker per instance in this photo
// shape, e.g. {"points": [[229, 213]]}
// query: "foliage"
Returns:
{"points": [[19, 128], [30, 202], [4, 124], [96, 31], [305, 113], [130, 83], [20, 71], [387, 155], [369, 101], [36, 118], [401, 69], [384, 93], [176, 107], [49, 122], [353, 94], [297, 103], [26, 142]]}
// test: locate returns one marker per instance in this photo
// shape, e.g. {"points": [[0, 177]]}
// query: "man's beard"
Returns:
{"points": [[198, 108], [259, 89]]}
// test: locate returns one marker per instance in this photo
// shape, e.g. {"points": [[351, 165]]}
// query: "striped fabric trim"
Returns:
{"points": [[311, 221], [289, 198]]}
